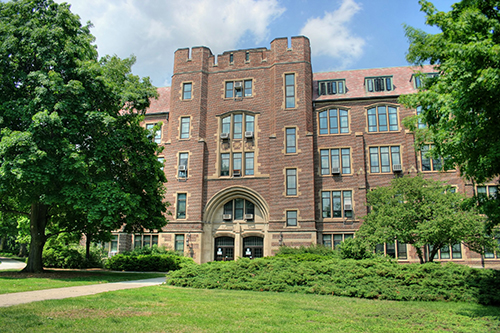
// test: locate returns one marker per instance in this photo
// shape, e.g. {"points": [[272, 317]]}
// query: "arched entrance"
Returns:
{"points": [[253, 247], [224, 249]]}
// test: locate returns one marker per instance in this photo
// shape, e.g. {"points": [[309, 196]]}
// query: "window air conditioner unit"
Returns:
{"points": [[248, 216], [226, 217], [248, 134], [238, 85], [397, 168], [237, 173], [335, 171], [182, 168], [348, 207], [224, 136]]}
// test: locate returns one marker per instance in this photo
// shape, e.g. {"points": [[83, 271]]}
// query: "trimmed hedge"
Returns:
{"points": [[147, 262], [369, 278]]}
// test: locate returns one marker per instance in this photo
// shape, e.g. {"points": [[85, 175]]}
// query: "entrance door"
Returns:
{"points": [[253, 247], [224, 249]]}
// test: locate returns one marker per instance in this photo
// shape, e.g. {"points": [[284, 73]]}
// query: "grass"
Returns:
{"points": [[172, 309], [14, 281]]}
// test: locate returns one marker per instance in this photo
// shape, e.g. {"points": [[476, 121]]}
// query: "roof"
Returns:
{"points": [[162, 104], [402, 80]]}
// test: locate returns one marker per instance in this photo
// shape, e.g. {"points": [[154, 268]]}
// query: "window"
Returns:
{"points": [[337, 239], [447, 252], [238, 124], [114, 244], [421, 124], [382, 119], [224, 167], [333, 121], [291, 181], [179, 243], [331, 87], [385, 159], [291, 140], [335, 161], [185, 126], [231, 58], [183, 165], [157, 133], [238, 209], [419, 79], [492, 254], [249, 164], [487, 191], [247, 56], [236, 164], [162, 161], [141, 240], [336, 204], [289, 91], [291, 218], [238, 89], [382, 83], [186, 90], [394, 249], [428, 163], [181, 205]]}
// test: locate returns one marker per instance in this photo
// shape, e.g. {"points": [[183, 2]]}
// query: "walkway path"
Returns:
{"points": [[59, 293]]}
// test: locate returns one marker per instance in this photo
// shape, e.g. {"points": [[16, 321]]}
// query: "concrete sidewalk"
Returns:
{"points": [[6, 263], [59, 293]]}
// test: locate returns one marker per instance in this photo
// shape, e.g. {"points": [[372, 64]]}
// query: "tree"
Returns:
{"points": [[422, 212], [461, 105], [72, 149]]}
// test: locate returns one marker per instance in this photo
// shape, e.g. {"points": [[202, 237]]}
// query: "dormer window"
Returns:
{"points": [[381, 83], [331, 87], [418, 79]]}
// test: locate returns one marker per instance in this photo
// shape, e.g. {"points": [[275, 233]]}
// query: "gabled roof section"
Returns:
{"points": [[402, 81], [162, 104]]}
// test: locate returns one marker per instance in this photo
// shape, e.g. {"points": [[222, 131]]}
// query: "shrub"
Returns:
{"points": [[375, 278], [355, 248], [147, 262], [59, 256]]}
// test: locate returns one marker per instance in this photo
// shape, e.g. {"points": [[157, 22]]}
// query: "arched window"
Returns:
{"points": [[239, 209]]}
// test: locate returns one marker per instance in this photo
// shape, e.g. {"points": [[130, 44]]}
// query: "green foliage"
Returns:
{"points": [[355, 248], [155, 249], [422, 212], [147, 262], [461, 106], [367, 278], [313, 249], [74, 156], [60, 256]]}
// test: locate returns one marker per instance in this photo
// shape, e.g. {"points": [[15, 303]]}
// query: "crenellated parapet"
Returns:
{"points": [[200, 58]]}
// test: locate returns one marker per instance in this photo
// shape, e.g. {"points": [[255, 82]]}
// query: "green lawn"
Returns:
{"points": [[170, 309], [13, 281]]}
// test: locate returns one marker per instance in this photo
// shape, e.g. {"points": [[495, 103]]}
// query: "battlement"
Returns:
{"points": [[201, 57]]}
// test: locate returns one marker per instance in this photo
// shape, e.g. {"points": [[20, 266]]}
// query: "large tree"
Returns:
{"points": [[422, 212], [461, 105], [72, 148]]}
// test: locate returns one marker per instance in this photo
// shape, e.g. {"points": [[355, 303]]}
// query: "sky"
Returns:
{"points": [[344, 34]]}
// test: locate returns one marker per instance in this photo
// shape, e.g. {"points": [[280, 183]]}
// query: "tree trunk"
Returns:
{"points": [[38, 222], [2, 242]]}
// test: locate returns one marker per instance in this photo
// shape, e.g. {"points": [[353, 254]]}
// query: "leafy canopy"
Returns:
{"points": [[72, 149], [422, 212], [461, 106]]}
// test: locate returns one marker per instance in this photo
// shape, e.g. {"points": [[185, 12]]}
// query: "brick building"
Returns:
{"points": [[261, 152]]}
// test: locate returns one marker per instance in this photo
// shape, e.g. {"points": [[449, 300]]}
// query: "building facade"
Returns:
{"points": [[260, 152]]}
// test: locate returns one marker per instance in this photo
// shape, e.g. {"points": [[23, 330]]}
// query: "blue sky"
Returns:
{"points": [[344, 34]]}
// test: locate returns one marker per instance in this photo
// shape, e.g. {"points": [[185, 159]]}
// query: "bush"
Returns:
{"points": [[147, 262], [375, 278], [355, 248], [59, 256]]}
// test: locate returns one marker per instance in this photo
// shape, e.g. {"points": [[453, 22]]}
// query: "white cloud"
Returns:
{"points": [[152, 30], [330, 35]]}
